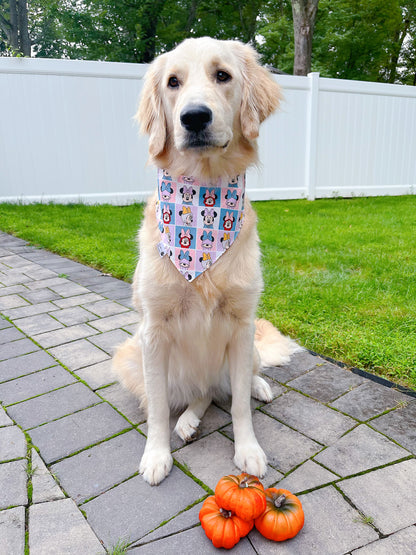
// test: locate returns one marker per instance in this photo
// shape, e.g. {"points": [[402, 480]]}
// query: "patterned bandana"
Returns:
{"points": [[198, 221]]}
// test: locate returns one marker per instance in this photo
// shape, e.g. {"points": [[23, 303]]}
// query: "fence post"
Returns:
{"points": [[311, 136]]}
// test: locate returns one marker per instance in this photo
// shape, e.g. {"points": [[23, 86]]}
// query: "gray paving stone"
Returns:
{"points": [[299, 364], [14, 277], [12, 443], [183, 521], [307, 476], [127, 302], [117, 321], [78, 300], [48, 282], [73, 315], [40, 295], [97, 375], [95, 470], [326, 382], [17, 348], [105, 308], [12, 290], [402, 543], [124, 401], [189, 542], [3, 322], [368, 400], [44, 487], [133, 508], [108, 341], [72, 433], [4, 419], [64, 335], [25, 364], [14, 261], [13, 480], [331, 526], [59, 527], [69, 289], [359, 450], [36, 271], [34, 384], [116, 290], [400, 425], [78, 354], [211, 457], [11, 301], [309, 417], [285, 448], [30, 310], [40, 323], [12, 531], [50, 406], [387, 495], [10, 334]]}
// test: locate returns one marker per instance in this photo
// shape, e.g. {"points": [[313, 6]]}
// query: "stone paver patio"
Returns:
{"points": [[71, 438]]}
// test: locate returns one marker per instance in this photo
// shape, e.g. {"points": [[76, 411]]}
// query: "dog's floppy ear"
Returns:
{"points": [[151, 114], [261, 94]]}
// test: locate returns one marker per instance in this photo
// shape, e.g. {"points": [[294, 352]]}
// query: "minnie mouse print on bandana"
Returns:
{"points": [[198, 221]]}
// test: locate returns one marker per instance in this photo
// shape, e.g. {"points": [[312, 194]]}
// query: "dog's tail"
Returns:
{"points": [[275, 349], [127, 367]]}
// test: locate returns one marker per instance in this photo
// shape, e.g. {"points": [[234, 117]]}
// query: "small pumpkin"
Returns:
{"points": [[283, 516], [221, 526], [242, 494]]}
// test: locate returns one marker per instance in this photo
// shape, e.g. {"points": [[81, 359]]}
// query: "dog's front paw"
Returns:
{"points": [[155, 465], [251, 458], [187, 426]]}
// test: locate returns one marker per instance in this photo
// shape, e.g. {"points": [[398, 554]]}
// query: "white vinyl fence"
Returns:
{"points": [[67, 134]]}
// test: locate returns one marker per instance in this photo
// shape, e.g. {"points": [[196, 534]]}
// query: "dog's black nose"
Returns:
{"points": [[196, 118]]}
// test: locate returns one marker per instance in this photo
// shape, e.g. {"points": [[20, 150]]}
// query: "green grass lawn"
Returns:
{"points": [[340, 274]]}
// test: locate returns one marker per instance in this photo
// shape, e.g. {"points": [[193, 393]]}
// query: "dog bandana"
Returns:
{"points": [[198, 221]]}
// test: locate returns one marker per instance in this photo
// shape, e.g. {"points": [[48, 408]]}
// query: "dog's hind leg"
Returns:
{"points": [[260, 389], [188, 422]]}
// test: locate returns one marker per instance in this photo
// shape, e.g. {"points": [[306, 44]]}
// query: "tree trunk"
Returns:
{"points": [[14, 29], [149, 21], [304, 16], [24, 40]]}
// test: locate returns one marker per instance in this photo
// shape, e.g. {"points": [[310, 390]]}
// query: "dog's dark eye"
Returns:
{"points": [[223, 76], [173, 82]]}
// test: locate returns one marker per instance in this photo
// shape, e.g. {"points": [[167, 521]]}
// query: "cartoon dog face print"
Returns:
{"points": [[228, 221], [187, 194], [186, 215], [185, 238], [166, 214], [205, 260], [207, 240], [166, 190], [209, 216], [231, 198], [210, 197]]}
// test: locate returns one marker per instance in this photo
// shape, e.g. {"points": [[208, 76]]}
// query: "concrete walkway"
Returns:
{"points": [[71, 439]]}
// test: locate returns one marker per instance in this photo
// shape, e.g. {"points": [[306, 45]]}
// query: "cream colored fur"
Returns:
{"points": [[198, 341]]}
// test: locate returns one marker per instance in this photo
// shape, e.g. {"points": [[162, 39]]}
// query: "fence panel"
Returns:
{"points": [[67, 134]]}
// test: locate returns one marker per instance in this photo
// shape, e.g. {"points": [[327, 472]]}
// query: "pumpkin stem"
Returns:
{"points": [[279, 500], [225, 514], [243, 483]]}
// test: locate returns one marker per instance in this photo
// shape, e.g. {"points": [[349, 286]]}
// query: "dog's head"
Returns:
{"points": [[205, 99]]}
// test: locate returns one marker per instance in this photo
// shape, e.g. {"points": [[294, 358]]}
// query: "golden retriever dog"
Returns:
{"points": [[198, 340]]}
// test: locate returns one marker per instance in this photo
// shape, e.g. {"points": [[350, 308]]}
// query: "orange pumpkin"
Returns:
{"points": [[243, 494], [283, 517], [222, 527]]}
